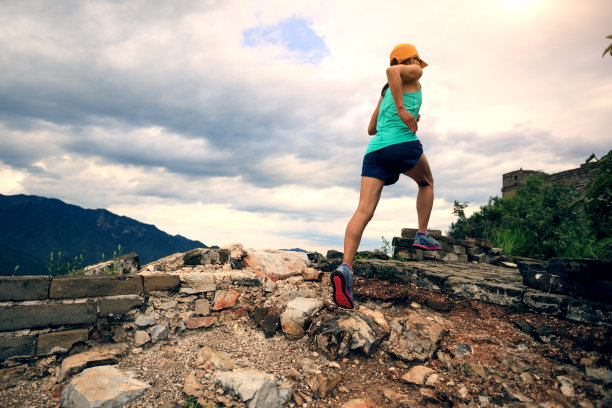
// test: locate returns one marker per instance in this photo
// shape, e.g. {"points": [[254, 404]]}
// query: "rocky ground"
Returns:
{"points": [[488, 355]]}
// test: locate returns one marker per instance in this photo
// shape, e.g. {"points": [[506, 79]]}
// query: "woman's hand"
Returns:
{"points": [[408, 119]]}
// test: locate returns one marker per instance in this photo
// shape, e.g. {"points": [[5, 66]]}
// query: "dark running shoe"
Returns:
{"points": [[425, 241], [342, 285]]}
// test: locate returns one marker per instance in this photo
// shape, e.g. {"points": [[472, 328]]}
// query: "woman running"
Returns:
{"points": [[395, 149]]}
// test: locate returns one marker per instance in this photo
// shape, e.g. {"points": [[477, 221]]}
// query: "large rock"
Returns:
{"points": [[217, 359], [95, 357], [144, 320], [298, 313], [225, 299], [237, 253], [141, 338], [414, 338], [535, 276], [255, 388], [276, 264], [354, 331], [323, 383], [191, 386], [378, 318], [207, 256], [599, 374], [103, 386], [417, 375], [159, 332], [576, 277], [202, 307]]}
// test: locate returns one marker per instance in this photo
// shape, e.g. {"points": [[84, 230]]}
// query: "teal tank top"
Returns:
{"points": [[390, 129]]}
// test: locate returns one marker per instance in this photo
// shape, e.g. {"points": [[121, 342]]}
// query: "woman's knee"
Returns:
{"points": [[426, 181], [365, 213]]}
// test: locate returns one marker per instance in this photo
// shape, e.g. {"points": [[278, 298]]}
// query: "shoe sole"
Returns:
{"points": [[341, 296], [429, 247]]}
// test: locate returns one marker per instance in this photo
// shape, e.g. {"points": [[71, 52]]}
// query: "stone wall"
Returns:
{"points": [[451, 250], [44, 315], [578, 178]]}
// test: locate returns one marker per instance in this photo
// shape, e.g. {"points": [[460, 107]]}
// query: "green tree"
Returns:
{"points": [[541, 220], [597, 203]]}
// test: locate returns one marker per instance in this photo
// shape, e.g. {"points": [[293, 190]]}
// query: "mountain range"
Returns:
{"points": [[33, 227]]}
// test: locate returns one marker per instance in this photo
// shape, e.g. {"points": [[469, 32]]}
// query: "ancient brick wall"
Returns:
{"points": [[578, 178], [41, 315]]}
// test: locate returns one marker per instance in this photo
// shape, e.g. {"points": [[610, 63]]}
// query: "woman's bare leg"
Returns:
{"points": [[369, 196], [421, 173]]}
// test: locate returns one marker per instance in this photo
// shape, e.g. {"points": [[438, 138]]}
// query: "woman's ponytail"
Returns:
{"points": [[382, 93]]}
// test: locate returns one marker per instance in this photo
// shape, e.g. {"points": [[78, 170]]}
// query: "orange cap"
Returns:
{"points": [[404, 51]]}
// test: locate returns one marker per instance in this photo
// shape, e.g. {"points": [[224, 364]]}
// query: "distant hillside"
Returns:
{"points": [[32, 227], [295, 250]]}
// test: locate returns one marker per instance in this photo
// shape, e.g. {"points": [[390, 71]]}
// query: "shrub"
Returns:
{"points": [[541, 220], [388, 273]]}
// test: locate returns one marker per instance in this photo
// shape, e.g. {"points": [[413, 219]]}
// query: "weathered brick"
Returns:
{"points": [[19, 316], [161, 282], [546, 303], [590, 312], [92, 286], [24, 288], [198, 283], [475, 250], [498, 293], [446, 247], [11, 346], [118, 305], [432, 279], [439, 255], [480, 258], [402, 242], [580, 269], [408, 254], [410, 233], [459, 250], [59, 342]]}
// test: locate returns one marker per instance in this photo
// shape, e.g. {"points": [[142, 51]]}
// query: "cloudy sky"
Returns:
{"points": [[243, 121]]}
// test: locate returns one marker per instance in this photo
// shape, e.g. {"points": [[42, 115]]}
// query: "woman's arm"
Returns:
{"points": [[374, 119], [398, 75]]}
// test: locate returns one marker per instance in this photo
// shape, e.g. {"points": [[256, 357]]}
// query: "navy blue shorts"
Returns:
{"points": [[391, 161]]}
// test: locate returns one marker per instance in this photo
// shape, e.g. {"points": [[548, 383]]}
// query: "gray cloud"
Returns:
{"points": [[163, 94]]}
